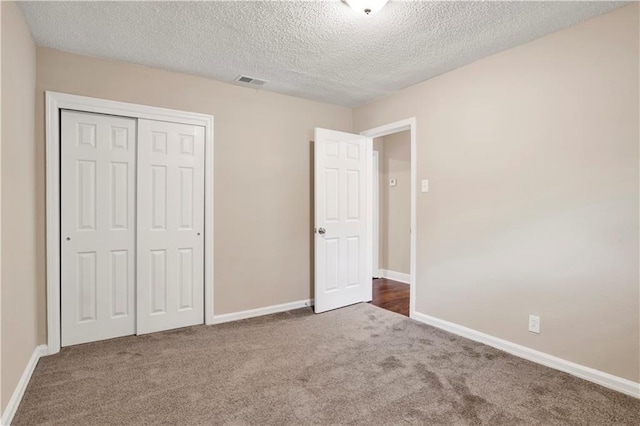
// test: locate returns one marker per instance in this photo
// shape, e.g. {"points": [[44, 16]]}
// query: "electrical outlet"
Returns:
{"points": [[534, 324], [424, 185]]}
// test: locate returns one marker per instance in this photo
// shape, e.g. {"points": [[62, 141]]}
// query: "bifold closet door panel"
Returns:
{"points": [[98, 154], [170, 231]]}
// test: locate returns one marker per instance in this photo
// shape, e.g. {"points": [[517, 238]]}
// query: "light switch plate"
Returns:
{"points": [[393, 182], [424, 185]]}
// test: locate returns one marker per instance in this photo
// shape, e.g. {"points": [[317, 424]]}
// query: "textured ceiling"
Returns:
{"points": [[317, 50]]}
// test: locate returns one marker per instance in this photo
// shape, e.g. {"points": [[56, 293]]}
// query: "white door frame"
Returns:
{"points": [[376, 214], [54, 103], [377, 132]]}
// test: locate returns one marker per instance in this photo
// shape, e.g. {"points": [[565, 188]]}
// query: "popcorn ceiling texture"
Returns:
{"points": [[317, 50]]}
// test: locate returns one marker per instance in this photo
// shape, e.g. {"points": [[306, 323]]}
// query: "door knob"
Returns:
{"points": [[321, 231]]}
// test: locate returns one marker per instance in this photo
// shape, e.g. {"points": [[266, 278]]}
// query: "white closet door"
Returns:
{"points": [[98, 227], [170, 226]]}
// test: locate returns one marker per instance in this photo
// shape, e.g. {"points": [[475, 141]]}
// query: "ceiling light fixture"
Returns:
{"points": [[367, 7]]}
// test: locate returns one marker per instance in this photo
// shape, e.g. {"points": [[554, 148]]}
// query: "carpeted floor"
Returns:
{"points": [[357, 365]]}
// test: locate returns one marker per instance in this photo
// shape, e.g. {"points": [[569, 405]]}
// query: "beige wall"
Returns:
{"points": [[20, 282], [262, 169], [395, 202], [532, 158]]}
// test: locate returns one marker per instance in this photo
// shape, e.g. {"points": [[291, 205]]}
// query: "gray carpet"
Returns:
{"points": [[357, 365]]}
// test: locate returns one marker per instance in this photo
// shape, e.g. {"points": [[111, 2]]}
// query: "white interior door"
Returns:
{"points": [[97, 227], [343, 211], [170, 226]]}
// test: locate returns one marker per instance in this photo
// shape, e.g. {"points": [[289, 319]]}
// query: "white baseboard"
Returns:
{"points": [[21, 387], [395, 276], [235, 316], [587, 373]]}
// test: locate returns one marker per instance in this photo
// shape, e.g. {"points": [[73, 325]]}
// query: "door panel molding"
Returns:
{"points": [[54, 103]]}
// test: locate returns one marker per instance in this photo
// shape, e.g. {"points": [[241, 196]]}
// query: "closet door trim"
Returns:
{"points": [[55, 102]]}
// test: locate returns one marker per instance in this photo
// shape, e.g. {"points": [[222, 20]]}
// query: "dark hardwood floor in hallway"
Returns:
{"points": [[391, 295]]}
